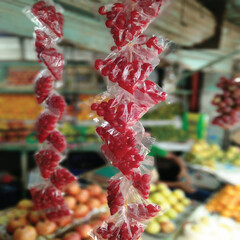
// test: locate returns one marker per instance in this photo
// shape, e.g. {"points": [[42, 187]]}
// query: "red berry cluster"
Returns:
{"points": [[228, 103], [127, 230], [142, 183], [115, 197], [130, 66], [61, 178], [48, 196], [143, 211], [129, 19], [129, 97]]}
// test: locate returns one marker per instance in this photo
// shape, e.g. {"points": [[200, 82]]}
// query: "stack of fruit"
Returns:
{"points": [[226, 202], [24, 223], [172, 202], [227, 103], [19, 107], [165, 111], [169, 133], [204, 154]]}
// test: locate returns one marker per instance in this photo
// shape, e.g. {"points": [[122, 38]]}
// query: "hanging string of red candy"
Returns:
{"points": [[128, 97], [47, 189]]}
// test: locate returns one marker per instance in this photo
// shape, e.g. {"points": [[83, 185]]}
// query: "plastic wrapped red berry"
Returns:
{"points": [[56, 104], [45, 197], [43, 86], [61, 178], [47, 160], [45, 124], [54, 62], [48, 16], [58, 140]]}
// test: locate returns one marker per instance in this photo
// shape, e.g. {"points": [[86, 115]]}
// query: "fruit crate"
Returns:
{"points": [[179, 221]]}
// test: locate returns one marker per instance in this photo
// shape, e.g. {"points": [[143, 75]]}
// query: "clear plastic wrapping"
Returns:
{"points": [[132, 64], [43, 85], [47, 160], [45, 124], [46, 184], [128, 19]]}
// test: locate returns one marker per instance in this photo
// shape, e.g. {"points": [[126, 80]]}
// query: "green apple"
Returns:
{"points": [[165, 206], [186, 201], [162, 218], [179, 194], [156, 197], [172, 200], [153, 188], [171, 213], [179, 207], [166, 192], [153, 227], [162, 187]]}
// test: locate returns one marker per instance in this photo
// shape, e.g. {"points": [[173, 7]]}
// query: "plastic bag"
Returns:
{"points": [[45, 124], [119, 227], [61, 178], [132, 64], [129, 19], [43, 85], [47, 160]]}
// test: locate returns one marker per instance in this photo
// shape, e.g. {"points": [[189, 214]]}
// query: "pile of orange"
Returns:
{"points": [[226, 202], [19, 107]]}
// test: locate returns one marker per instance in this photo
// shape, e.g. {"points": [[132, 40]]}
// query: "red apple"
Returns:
{"points": [[73, 189], [104, 216], [93, 203], [46, 227], [72, 236], [84, 230], [70, 201], [81, 211], [103, 198], [34, 217], [25, 233], [64, 221], [83, 196], [96, 223], [25, 204], [94, 190], [15, 223]]}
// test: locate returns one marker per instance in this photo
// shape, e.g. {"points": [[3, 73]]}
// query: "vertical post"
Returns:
{"points": [[226, 139], [24, 171]]}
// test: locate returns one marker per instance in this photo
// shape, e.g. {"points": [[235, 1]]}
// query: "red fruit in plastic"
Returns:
{"points": [[58, 212], [56, 104], [48, 16], [46, 197], [45, 124], [57, 140], [54, 62], [43, 87], [102, 10], [42, 41], [47, 160], [142, 212], [61, 178]]}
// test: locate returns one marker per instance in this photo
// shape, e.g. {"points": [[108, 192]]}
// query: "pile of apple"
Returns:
{"points": [[25, 223], [207, 155], [172, 203]]}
